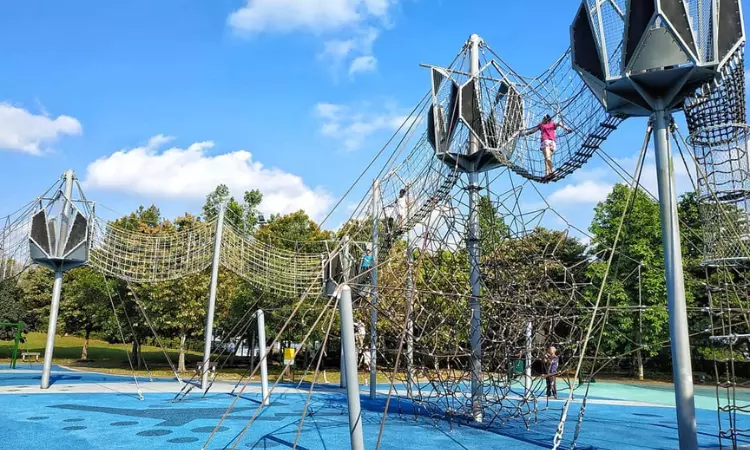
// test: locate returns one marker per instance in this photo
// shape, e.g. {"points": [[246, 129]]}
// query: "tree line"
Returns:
{"points": [[93, 305]]}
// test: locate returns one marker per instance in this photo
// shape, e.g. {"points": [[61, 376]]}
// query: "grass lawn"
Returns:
{"points": [[111, 358]]}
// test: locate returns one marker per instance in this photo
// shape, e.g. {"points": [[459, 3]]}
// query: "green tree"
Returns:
{"points": [[146, 221], [35, 285], [294, 232], [243, 216], [85, 304], [11, 306], [641, 244]]}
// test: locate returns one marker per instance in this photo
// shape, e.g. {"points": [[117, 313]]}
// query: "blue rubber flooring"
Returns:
{"points": [[120, 420], [22, 377]]}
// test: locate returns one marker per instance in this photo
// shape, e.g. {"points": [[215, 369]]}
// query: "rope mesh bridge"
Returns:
{"points": [[498, 106], [140, 257]]}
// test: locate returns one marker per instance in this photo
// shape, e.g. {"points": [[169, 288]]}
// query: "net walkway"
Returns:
{"points": [[139, 257]]}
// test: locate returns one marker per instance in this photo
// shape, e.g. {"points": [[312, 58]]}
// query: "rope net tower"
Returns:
{"points": [[716, 117]]}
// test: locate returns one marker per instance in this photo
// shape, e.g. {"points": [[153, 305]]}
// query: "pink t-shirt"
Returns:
{"points": [[548, 131]]}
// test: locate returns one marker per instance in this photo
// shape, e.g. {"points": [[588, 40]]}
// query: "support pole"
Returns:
{"points": [[265, 400], [54, 308], [639, 337], [342, 364], [374, 290], [52, 328], [212, 298], [16, 344], [409, 319], [527, 367], [676, 305], [345, 266], [350, 356], [472, 242]]}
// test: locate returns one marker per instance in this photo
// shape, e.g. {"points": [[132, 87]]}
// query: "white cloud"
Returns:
{"points": [[350, 27], [23, 131], [648, 181], [588, 191], [357, 51], [363, 64], [318, 16], [191, 174], [353, 125]]}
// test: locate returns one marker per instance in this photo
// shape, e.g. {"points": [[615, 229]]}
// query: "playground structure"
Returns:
{"points": [[462, 182]]}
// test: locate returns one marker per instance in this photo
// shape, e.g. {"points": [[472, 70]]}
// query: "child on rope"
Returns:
{"points": [[366, 265], [402, 208], [549, 139], [551, 362]]}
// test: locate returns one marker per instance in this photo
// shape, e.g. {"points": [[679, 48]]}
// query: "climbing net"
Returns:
{"points": [[140, 256], [14, 247], [536, 290], [14, 233], [716, 118], [719, 135], [499, 108], [532, 297]]}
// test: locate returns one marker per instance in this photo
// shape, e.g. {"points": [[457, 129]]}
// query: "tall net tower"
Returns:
{"points": [[716, 117]]}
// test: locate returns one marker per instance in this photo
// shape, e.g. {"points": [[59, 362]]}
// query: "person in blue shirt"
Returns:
{"points": [[551, 361], [367, 261]]}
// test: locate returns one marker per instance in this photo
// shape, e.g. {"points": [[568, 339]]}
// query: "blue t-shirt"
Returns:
{"points": [[367, 261], [552, 361]]}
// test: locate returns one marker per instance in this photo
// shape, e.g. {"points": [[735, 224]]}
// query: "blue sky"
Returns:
{"points": [[233, 88]]}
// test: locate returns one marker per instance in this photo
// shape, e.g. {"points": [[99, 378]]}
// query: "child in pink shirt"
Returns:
{"points": [[549, 139]]}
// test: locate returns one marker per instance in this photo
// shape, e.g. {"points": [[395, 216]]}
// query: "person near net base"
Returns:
{"points": [[551, 362], [549, 139]]}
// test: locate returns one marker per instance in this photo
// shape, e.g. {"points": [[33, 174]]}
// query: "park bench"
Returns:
{"points": [[34, 354]]}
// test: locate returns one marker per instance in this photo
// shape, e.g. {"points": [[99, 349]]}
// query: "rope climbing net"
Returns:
{"points": [[140, 257], [716, 117], [500, 109], [719, 136]]}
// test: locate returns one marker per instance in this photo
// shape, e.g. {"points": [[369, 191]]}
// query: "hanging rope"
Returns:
{"points": [[122, 337]]}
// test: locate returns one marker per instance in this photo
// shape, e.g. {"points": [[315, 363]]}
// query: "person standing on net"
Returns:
{"points": [[402, 208], [551, 362], [367, 262], [549, 139]]}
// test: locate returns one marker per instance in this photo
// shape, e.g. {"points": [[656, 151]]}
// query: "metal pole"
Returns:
{"points": [[472, 242], [639, 341], [350, 355], [212, 297], [409, 319], [54, 308], [527, 369], [345, 268], [19, 335], [678, 322], [374, 290], [263, 360], [347, 264], [65, 214], [52, 328]]}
